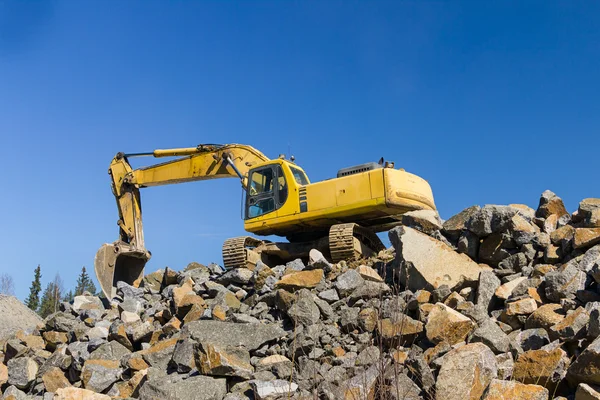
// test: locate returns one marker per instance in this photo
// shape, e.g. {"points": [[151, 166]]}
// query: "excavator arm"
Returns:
{"points": [[124, 260]]}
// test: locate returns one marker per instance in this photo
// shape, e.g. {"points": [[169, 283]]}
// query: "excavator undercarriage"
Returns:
{"points": [[344, 242]]}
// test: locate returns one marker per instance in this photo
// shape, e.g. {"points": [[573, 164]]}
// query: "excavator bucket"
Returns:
{"points": [[116, 262]]}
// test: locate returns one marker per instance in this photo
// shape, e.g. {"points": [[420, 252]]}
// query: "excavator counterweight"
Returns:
{"points": [[339, 216]]}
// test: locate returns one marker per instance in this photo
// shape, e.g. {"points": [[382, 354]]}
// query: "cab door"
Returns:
{"points": [[267, 192]]}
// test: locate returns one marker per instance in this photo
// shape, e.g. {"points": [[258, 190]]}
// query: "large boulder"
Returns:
{"points": [[427, 263], [15, 316]]}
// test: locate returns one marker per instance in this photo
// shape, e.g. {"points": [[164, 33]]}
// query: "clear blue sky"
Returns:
{"points": [[492, 102]]}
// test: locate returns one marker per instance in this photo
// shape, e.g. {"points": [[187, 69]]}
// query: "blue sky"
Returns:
{"points": [[492, 102]]}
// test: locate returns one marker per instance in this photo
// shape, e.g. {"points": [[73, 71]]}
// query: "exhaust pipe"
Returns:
{"points": [[119, 261]]}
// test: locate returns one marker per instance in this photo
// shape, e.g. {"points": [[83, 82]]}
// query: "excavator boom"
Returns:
{"points": [[124, 260]]}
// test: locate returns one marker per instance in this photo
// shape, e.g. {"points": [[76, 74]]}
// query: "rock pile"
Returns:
{"points": [[498, 302]]}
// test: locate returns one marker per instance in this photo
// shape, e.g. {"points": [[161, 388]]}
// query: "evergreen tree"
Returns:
{"points": [[33, 301], [51, 297], [68, 297], [84, 283]]}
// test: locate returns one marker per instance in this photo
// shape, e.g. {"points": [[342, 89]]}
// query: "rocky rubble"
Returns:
{"points": [[498, 302]]}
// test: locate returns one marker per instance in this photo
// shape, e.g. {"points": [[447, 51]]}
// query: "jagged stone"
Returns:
{"points": [[98, 375], [572, 327], [369, 274], [524, 306], [271, 389], [511, 390], [468, 243], [545, 316], [586, 368], [304, 311], [54, 379], [401, 329], [447, 325], [426, 221], [586, 237], [564, 282], [361, 386], [457, 224], [347, 282], [299, 280], [420, 256], [72, 393], [550, 204], [224, 361], [589, 212], [250, 336], [21, 371], [488, 285], [587, 392], [466, 372], [198, 387], [530, 339], [541, 367], [490, 334]]}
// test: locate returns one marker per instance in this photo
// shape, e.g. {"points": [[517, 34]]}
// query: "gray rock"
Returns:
{"points": [[488, 283], [21, 372], [466, 372], [236, 275], [326, 310], [530, 339], [349, 318], [490, 219], [127, 291], [586, 366], [564, 282], [271, 389], [401, 387], [590, 258], [112, 350], [426, 221], [12, 393], [198, 387], [593, 329], [419, 258], [132, 305], [295, 265], [183, 355], [316, 260], [98, 375], [550, 204], [369, 290], [245, 319], [490, 334], [251, 336], [468, 243], [419, 370], [505, 364], [304, 311], [347, 282], [62, 322], [370, 355], [457, 224]]}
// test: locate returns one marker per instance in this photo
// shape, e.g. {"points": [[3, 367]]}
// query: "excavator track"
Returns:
{"points": [[234, 251], [341, 241]]}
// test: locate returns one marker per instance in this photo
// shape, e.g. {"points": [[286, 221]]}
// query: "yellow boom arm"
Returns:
{"points": [[124, 259]]}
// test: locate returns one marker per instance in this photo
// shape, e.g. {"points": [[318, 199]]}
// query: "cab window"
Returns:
{"points": [[267, 191], [299, 176]]}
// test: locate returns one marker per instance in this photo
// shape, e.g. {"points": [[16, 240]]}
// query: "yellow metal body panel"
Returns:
{"points": [[375, 199]]}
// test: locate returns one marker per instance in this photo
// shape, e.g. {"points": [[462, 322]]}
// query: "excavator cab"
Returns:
{"points": [[267, 190]]}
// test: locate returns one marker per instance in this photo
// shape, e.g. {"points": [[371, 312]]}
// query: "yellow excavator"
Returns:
{"points": [[339, 216]]}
